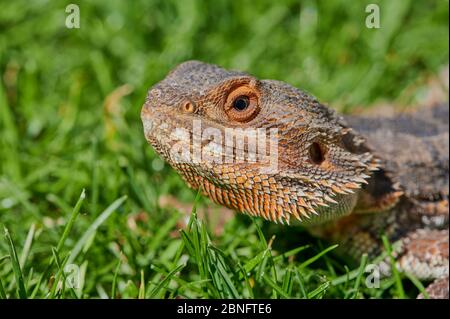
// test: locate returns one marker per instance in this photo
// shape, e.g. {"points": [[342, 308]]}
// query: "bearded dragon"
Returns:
{"points": [[348, 179]]}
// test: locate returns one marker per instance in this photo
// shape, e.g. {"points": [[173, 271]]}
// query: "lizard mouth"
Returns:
{"points": [[186, 140]]}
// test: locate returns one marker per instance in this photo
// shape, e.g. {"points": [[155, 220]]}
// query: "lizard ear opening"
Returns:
{"points": [[242, 103], [316, 153]]}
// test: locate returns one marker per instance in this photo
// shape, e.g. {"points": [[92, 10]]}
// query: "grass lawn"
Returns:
{"points": [[80, 188]]}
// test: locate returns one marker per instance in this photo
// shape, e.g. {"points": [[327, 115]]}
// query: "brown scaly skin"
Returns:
{"points": [[384, 175]]}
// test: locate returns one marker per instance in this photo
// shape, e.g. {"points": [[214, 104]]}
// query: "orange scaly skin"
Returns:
{"points": [[385, 175]]}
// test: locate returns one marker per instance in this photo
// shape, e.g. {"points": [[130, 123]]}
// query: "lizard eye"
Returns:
{"points": [[242, 104]]}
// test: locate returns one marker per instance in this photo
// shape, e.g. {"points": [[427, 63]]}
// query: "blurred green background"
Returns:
{"points": [[70, 102]]}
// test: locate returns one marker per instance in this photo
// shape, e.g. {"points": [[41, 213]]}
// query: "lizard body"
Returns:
{"points": [[348, 179]]}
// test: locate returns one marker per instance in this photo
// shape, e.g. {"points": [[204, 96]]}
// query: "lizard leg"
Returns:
{"points": [[437, 289], [424, 253]]}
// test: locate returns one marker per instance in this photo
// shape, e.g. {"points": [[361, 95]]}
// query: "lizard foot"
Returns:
{"points": [[437, 289], [425, 255]]}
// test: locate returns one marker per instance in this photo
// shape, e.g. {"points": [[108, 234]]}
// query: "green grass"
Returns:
{"points": [[76, 175]]}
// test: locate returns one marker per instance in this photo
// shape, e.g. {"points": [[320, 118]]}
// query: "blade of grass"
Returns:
{"points": [[22, 292], [183, 284], [162, 232], [27, 245], [187, 243], [300, 283], [165, 281], [347, 271], [418, 284], [350, 275], [62, 240], [262, 238], [29, 278], [287, 282], [2, 290], [22, 197], [101, 291], [4, 258], [255, 261], [221, 267], [328, 262], [138, 191], [73, 217], [10, 137], [319, 291], [114, 283], [395, 274], [141, 294], [274, 286], [270, 257], [291, 252], [361, 269], [189, 225], [94, 184], [61, 269], [94, 226], [243, 275], [316, 257]]}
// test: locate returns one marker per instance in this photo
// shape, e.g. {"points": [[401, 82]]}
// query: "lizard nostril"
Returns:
{"points": [[188, 107], [316, 153]]}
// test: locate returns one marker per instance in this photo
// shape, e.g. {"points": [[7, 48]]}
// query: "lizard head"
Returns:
{"points": [[261, 147]]}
